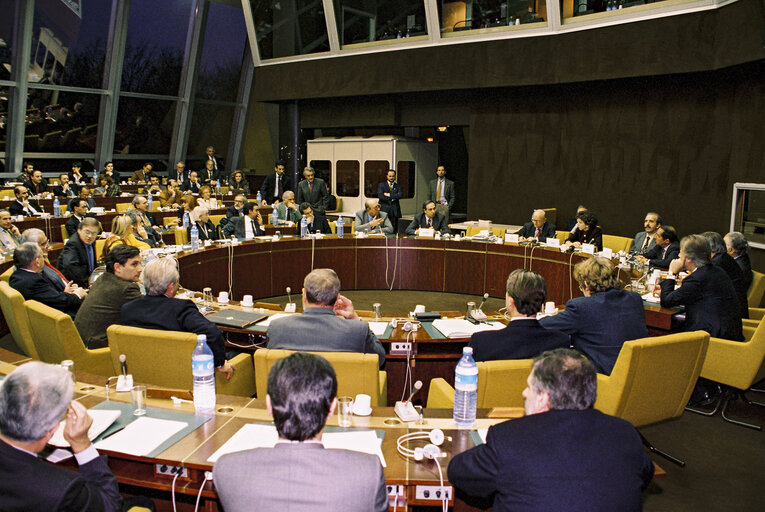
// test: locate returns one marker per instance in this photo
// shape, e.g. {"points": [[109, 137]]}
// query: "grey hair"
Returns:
{"points": [[568, 378], [133, 216], [371, 202], [33, 399], [31, 235], [198, 211], [309, 168], [735, 240], [137, 199], [716, 242], [287, 193], [159, 274], [25, 254], [321, 286], [697, 248]]}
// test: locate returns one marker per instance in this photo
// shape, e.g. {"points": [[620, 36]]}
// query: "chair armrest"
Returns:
{"points": [[756, 314], [382, 399], [242, 383], [608, 395], [440, 395], [98, 361]]}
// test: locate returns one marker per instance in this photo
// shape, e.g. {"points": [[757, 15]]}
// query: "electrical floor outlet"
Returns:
{"points": [[166, 469], [433, 492], [401, 348]]}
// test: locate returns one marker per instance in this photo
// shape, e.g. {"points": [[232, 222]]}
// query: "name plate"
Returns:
{"points": [[607, 253], [553, 242], [427, 232], [511, 237], [588, 249]]}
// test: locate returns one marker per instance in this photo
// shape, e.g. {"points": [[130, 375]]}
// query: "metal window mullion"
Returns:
{"points": [[239, 124], [332, 33], [554, 15], [252, 36], [17, 98], [432, 21]]}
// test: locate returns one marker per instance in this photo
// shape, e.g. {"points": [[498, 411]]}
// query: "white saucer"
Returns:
{"points": [[222, 301], [356, 412]]}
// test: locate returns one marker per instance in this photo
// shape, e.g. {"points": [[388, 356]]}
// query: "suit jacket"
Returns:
{"points": [[316, 197], [521, 339], [269, 185], [58, 191], [318, 329], [281, 209], [599, 325], [91, 203], [211, 234], [528, 230], [557, 460], [319, 225], [30, 483], [364, 224], [55, 279], [592, 236], [71, 225], [206, 176], [235, 226], [726, 262], [139, 175], [448, 192], [73, 261], [166, 200], [239, 188], [419, 221], [13, 240], [101, 308], [217, 164], [171, 314], [191, 187], [637, 244], [710, 302], [36, 189], [660, 257], [231, 212], [35, 286], [300, 477], [746, 268], [390, 205], [16, 208]]}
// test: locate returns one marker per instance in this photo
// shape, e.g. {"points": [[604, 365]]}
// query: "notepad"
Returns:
{"points": [[461, 328], [102, 419], [268, 320], [378, 328], [141, 436]]}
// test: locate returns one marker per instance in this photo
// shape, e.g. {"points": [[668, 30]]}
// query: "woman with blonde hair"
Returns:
{"points": [[188, 203], [123, 232], [204, 198]]}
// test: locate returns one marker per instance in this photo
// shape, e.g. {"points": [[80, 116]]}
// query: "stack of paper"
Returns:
{"points": [[461, 328], [102, 418], [142, 436], [378, 328]]}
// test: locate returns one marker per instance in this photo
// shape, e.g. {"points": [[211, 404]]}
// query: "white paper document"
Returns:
{"points": [[648, 297], [364, 441], [461, 328], [142, 436], [378, 328], [267, 321], [102, 418], [482, 433]]}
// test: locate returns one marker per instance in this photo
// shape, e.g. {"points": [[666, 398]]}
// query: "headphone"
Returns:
{"points": [[429, 451]]}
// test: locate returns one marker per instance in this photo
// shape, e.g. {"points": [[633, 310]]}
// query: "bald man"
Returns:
{"points": [[538, 228]]}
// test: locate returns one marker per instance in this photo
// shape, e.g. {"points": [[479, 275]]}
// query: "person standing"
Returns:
{"points": [[441, 192], [389, 193]]}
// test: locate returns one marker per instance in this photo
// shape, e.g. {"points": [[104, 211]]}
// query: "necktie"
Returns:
{"points": [[438, 192], [279, 186], [310, 187], [645, 244], [89, 252], [430, 222], [537, 233], [54, 269]]}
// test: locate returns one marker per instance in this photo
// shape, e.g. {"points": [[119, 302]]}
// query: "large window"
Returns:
{"points": [[61, 122], [347, 178], [223, 52], [144, 126], [375, 20], [375, 172], [457, 16], [290, 28]]}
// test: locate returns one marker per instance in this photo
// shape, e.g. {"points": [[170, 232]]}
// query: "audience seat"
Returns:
{"points": [[12, 305], [474, 230], [181, 236], [56, 339], [7, 193], [338, 207], [551, 214], [500, 384], [562, 235], [617, 243], [144, 348], [122, 207], [166, 221], [65, 233], [356, 373], [756, 290], [6, 276]]}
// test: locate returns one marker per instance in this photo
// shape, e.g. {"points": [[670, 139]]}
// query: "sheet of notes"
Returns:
{"points": [[141, 436]]}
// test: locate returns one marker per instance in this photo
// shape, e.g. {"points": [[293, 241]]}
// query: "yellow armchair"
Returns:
{"points": [[56, 339], [617, 243], [12, 304], [163, 358], [756, 290], [500, 384], [474, 230], [356, 373]]}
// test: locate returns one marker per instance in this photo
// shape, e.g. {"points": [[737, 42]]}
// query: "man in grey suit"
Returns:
{"points": [[318, 328], [644, 241], [298, 473], [441, 192], [372, 220], [313, 190]]}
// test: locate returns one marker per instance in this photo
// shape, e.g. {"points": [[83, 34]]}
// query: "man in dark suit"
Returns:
{"points": [[313, 190], [217, 162], [707, 293], [30, 282], [372, 220], [429, 218], [23, 205], [51, 273], [538, 228], [441, 192], [298, 473], [37, 185], [524, 337], [64, 188], [389, 193], [78, 257], [249, 225], [563, 455], [159, 309], [192, 184], [208, 175], [600, 322], [79, 211], [275, 185], [738, 248], [315, 223], [235, 210], [84, 196], [645, 240], [33, 399], [180, 174], [665, 248], [721, 258], [146, 220], [318, 328], [9, 233]]}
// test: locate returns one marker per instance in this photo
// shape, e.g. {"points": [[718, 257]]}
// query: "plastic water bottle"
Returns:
{"points": [[56, 207], [95, 178], [465, 389], [186, 220], [217, 188], [259, 198], [150, 200], [275, 217], [194, 237], [203, 376], [340, 227], [303, 227]]}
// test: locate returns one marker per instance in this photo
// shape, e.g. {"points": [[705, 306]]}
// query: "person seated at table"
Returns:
{"points": [[9, 233], [235, 210], [298, 473], [316, 223], [237, 184], [571, 223], [117, 286], [143, 174], [170, 197], [64, 188], [524, 337], [372, 220], [205, 228], [78, 258], [33, 400], [188, 203], [49, 272], [319, 328], [30, 282], [110, 171], [600, 322], [429, 218], [721, 258], [287, 210], [247, 226], [586, 232], [645, 240], [665, 248], [192, 184], [123, 232], [106, 187], [738, 248], [84, 195], [154, 188], [79, 212], [205, 198], [159, 309], [76, 176], [23, 205], [563, 454], [37, 185], [538, 229]]}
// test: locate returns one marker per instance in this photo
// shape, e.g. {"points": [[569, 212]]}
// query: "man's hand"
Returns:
{"points": [[76, 427], [15, 230], [344, 308], [260, 219], [263, 203], [641, 259], [675, 266], [80, 292], [227, 369], [386, 194], [376, 222]]}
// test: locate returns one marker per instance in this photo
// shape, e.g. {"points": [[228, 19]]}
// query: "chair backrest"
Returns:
{"points": [[6, 276], [737, 364], [617, 243], [181, 236], [756, 290], [551, 214], [474, 230], [122, 207], [143, 348], [166, 221], [562, 235], [12, 304], [333, 226], [653, 378], [356, 372], [65, 233], [63, 209], [500, 383], [215, 219], [7, 193], [56, 338]]}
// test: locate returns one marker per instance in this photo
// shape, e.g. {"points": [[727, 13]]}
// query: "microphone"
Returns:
{"points": [[289, 297], [485, 296], [417, 387], [123, 364]]}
